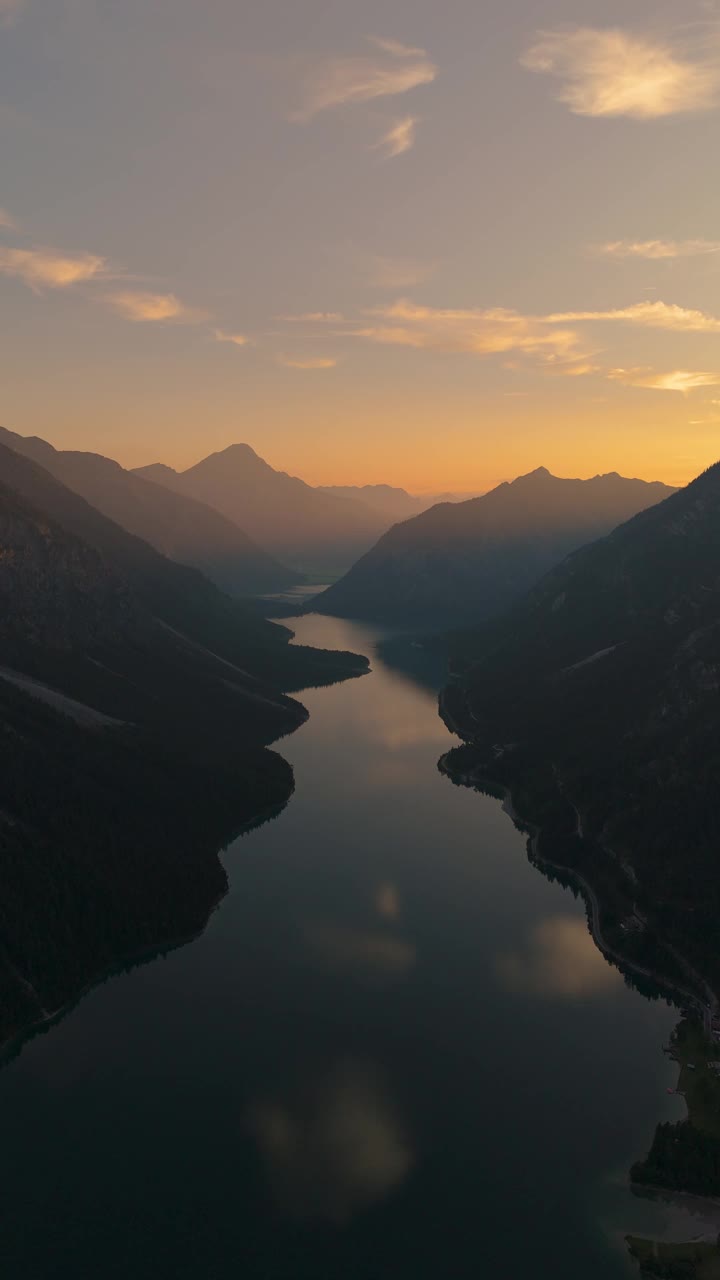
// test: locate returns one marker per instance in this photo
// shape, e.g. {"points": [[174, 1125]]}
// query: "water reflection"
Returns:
{"points": [[559, 959], [364, 927], [334, 1145], [375, 956], [387, 901]]}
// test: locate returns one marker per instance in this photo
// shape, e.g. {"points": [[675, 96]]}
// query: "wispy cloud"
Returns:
{"points": [[615, 72], [143, 307], [314, 317], [682, 380], [397, 48], [50, 269], [393, 69], [554, 342], [307, 362], [7, 221], [238, 339], [658, 250], [400, 137], [650, 315], [481, 332]]}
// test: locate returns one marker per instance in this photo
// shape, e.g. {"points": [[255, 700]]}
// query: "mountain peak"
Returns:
{"points": [[540, 473]]}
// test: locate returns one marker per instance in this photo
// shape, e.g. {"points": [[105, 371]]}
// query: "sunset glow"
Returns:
{"points": [[316, 237]]}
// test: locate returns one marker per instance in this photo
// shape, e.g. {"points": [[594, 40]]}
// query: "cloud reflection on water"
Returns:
{"points": [[334, 1146], [361, 953], [559, 959]]}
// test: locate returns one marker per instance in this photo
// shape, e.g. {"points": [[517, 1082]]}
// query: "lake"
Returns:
{"points": [[394, 1053]]}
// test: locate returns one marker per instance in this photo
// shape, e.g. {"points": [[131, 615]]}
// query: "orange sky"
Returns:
{"points": [[394, 242]]}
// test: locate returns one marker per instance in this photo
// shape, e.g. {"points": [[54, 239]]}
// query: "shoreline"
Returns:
{"points": [[13, 1044], [592, 901]]}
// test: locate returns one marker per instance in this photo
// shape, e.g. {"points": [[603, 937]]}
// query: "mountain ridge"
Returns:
{"points": [[464, 561], [178, 526], [137, 702], [301, 525]]}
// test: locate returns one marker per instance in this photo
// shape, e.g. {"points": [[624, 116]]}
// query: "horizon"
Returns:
{"points": [[317, 223], [459, 494]]}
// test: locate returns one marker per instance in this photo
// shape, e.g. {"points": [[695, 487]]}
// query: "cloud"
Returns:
{"points": [[650, 315], [7, 221], [238, 339], [307, 362], [49, 269], [571, 368], [613, 72], [397, 48], [399, 138], [315, 317], [658, 250], [480, 332], [143, 307], [395, 69], [682, 380]]}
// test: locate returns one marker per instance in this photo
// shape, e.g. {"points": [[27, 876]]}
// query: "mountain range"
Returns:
{"points": [[313, 530], [177, 525], [464, 561], [596, 701], [396, 504], [136, 702]]}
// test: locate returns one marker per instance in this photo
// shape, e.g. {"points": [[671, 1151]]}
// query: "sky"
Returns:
{"points": [[433, 245]]}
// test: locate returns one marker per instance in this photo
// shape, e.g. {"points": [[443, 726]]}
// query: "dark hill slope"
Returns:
{"points": [[131, 746], [468, 560], [597, 700], [178, 596], [176, 525], [306, 527]]}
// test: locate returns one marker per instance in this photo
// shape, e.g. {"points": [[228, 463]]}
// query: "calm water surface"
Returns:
{"points": [[395, 1052]]}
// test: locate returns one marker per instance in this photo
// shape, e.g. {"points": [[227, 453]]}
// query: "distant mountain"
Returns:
{"points": [[465, 561], [313, 530], [394, 503], [135, 702], [596, 700], [179, 526]]}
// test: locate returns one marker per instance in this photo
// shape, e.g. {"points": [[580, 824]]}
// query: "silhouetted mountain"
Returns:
{"points": [[597, 701], [310, 529], [180, 527], [394, 503], [135, 701], [466, 561]]}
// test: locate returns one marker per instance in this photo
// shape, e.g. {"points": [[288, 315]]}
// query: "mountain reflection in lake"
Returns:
{"points": [[395, 1052]]}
